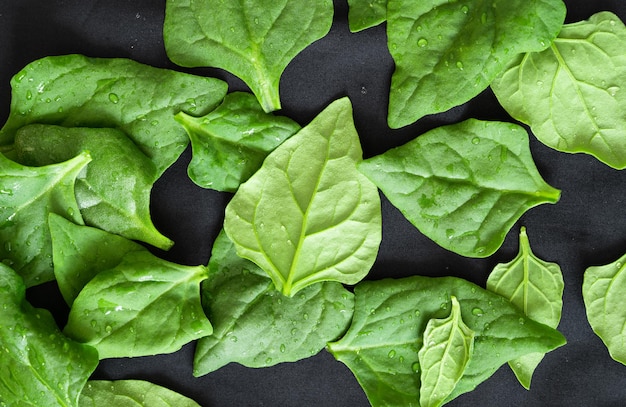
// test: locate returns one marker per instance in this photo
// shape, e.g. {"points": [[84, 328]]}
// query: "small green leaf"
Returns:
{"points": [[463, 185], [131, 393], [535, 287], [573, 95], [365, 14], [328, 226]]}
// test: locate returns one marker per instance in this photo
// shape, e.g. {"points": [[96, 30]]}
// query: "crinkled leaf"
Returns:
{"points": [[230, 143], [255, 40], [76, 91], [447, 347], [79, 253], [114, 191], [448, 52], [535, 287], [27, 196], [131, 393], [143, 306], [308, 215], [40, 366], [255, 325], [463, 185], [390, 316], [365, 14], [573, 95]]}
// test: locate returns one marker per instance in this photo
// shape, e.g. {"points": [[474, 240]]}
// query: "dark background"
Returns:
{"points": [[587, 227]]}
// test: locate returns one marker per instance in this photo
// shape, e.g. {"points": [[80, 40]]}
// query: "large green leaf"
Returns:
{"points": [[27, 196], [114, 191], [76, 91], [143, 306], [255, 325], [463, 185], [365, 14], [40, 366], [131, 393], [535, 287], [230, 143], [573, 95], [447, 52], [255, 40], [381, 347], [308, 215]]}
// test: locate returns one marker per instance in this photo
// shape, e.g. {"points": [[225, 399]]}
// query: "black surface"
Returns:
{"points": [[587, 227]]}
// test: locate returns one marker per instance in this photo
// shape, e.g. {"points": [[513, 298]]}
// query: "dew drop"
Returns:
{"points": [[459, 65], [450, 233], [93, 323], [415, 367], [476, 140], [305, 316], [268, 361], [29, 95], [391, 354], [113, 98], [613, 90], [521, 321], [539, 83], [283, 348], [422, 42], [108, 329], [477, 312], [465, 9]]}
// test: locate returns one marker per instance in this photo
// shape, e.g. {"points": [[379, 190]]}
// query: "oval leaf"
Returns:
{"points": [[131, 393]]}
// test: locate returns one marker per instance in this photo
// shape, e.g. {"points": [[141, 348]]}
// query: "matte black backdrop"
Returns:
{"points": [[587, 227]]}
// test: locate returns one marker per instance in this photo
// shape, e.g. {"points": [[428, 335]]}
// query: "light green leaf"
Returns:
{"points": [[446, 350], [76, 91], [255, 325], [573, 95], [328, 224], [40, 366], [382, 345], [463, 185], [143, 306], [255, 40], [365, 14], [535, 287], [230, 143], [131, 393], [27, 196], [448, 52], [113, 193]]}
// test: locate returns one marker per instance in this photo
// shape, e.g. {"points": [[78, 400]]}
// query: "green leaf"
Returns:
{"points": [[446, 350], [255, 325], [463, 185], [365, 14], [573, 95], [27, 196], [131, 393], [535, 287], [143, 306], [255, 40], [40, 366], [230, 143], [76, 91], [382, 345], [79, 253], [308, 215], [114, 191], [603, 293], [448, 52]]}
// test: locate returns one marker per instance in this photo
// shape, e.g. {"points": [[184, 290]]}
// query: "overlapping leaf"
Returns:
{"points": [[131, 393], [365, 14]]}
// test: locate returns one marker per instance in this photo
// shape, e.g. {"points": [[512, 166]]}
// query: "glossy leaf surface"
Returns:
{"points": [[381, 347], [573, 95], [255, 325], [131, 393], [535, 287], [365, 14], [308, 215], [230, 143], [255, 40], [448, 52], [463, 185]]}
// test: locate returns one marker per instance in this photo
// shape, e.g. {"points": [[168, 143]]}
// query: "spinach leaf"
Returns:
{"points": [[255, 325], [603, 293], [131, 393], [446, 349], [142, 306], [27, 196], [572, 94], [79, 253], [365, 14], [40, 366], [255, 40], [448, 52], [308, 215], [114, 191], [463, 185], [76, 91], [535, 287], [382, 345], [230, 143]]}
